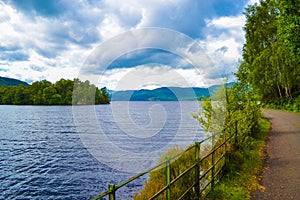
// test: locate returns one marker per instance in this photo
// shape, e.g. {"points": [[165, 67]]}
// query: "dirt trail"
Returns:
{"points": [[281, 173]]}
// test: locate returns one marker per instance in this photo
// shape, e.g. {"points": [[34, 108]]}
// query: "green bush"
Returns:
{"points": [[287, 104], [238, 116]]}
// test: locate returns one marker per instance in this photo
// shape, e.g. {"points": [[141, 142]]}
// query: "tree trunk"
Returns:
{"points": [[279, 91], [289, 90]]}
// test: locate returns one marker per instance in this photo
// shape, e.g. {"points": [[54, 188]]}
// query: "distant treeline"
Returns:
{"points": [[63, 92]]}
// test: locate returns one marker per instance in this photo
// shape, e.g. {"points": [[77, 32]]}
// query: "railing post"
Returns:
{"points": [[112, 192], [197, 170], [168, 171], [224, 150], [213, 163]]}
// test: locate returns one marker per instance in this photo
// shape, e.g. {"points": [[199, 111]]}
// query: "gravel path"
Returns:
{"points": [[281, 173]]}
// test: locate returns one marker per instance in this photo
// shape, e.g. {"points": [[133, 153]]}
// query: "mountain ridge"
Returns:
{"points": [[165, 93], [4, 82]]}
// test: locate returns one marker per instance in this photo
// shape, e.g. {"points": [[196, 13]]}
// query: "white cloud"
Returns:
{"points": [[233, 22], [153, 76], [110, 27], [224, 42], [49, 44], [34, 46], [140, 77], [252, 2]]}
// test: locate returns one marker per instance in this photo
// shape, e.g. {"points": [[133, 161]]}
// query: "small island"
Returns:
{"points": [[63, 92]]}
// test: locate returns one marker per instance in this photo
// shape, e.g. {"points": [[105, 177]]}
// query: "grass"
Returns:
{"points": [[241, 171], [157, 178], [243, 167]]}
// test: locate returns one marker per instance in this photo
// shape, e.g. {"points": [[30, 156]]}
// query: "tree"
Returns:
{"points": [[21, 96], [102, 96], [289, 32], [2, 91], [36, 91], [64, 88], [48, 94], [8, 96], [60, 93], [289, 25], [270, 63], [261, 29]]}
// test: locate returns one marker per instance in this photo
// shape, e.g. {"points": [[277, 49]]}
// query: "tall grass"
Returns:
{"points": [[183, 160], [242, 168], [157, 178]]}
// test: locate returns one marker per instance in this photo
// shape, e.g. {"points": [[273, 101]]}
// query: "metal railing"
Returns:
{"points": [[207, 167]]}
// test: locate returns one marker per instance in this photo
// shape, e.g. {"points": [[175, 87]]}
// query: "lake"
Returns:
{"points": [[65, 152]]}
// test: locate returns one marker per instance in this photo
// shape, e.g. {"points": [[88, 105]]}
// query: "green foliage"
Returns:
{"points": [[271, 52], [60, 93], [241, 111], [212, 114], [289, 25], [242, 168], [287, 104], [21, 95], [242, 117]]}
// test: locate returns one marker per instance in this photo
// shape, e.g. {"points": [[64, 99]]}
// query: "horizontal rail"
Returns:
{"points": [[158, 193], [183, 173], [186, 192], [174, 180], [139, 175]]}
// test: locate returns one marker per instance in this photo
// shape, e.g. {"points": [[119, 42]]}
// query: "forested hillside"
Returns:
{"points": [[11, 82], [63, 92], [271, 53]]}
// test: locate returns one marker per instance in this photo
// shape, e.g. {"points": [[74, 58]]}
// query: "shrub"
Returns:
{"points": [[238, 116]]}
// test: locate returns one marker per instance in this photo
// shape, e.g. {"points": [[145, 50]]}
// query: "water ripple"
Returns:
{"points": [[42, 157]]}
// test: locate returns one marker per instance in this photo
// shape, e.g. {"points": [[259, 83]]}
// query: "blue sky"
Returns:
{"points": [[52, 39]]}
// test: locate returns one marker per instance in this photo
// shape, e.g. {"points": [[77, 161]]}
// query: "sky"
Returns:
{"points": [[54, 39]]}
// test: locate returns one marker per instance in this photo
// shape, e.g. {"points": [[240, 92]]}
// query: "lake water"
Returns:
{"points": [[65, 152]]}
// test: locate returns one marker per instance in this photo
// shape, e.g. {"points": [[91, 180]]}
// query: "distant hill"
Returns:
{"points": [[164, 94], [160, 94], [11, 82], [215, 87]]}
